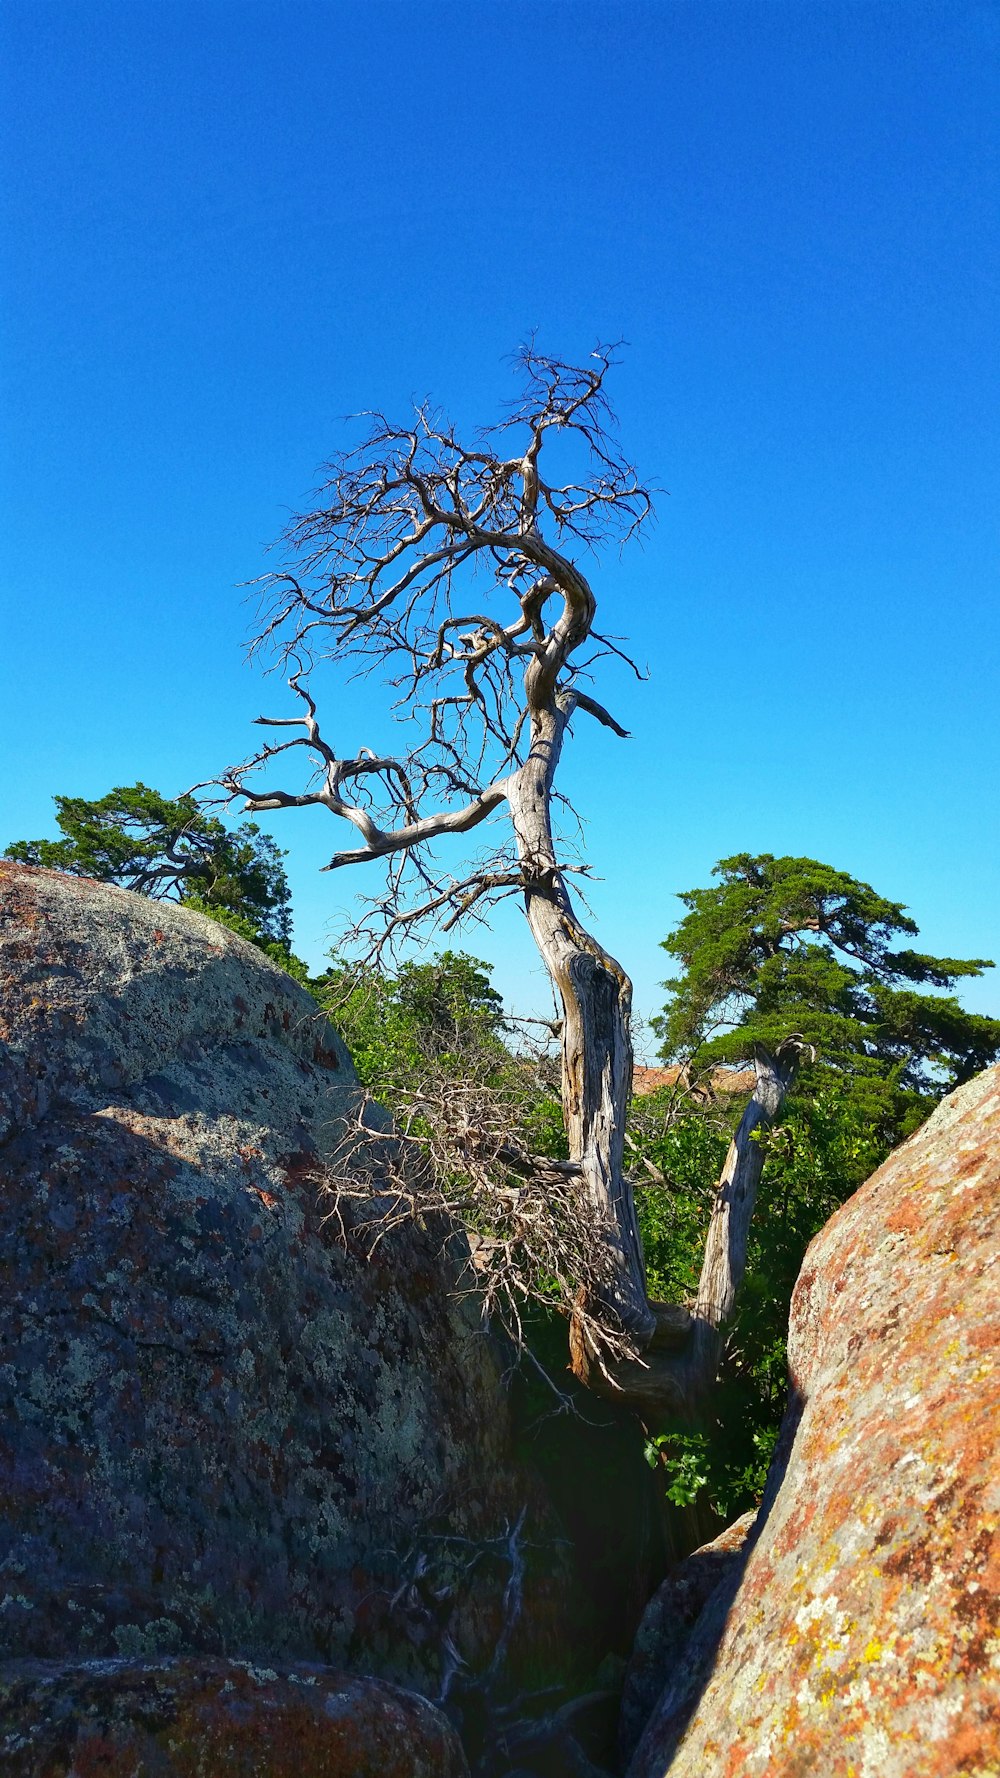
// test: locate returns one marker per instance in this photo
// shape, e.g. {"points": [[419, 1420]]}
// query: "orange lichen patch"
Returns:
{"points": [[864, 1641]]}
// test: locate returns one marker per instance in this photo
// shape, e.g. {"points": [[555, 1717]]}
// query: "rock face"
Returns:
{"points": [[227, 1426], [205, 1718], [864, 1640]]}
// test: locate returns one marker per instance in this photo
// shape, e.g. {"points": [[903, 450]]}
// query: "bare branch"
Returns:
{"points": [[457, 1157], [593, 708], [417, 833]]}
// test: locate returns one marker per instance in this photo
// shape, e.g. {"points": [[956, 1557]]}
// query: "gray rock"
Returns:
{"points": [[227, 1426], [198, 1717]]}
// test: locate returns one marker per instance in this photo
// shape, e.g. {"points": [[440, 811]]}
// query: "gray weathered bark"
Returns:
{"points": [[596, 1002], [680, 1349], [725, 1255]]}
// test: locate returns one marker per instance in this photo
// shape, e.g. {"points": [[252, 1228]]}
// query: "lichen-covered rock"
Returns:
{"points": [[666, 1627], [226, 1425], [192, 1717], [864, 1641]]}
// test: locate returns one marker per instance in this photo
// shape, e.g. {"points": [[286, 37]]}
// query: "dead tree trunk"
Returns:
{"points": [[596, 1002], [679, 1348], [725, 1255]]}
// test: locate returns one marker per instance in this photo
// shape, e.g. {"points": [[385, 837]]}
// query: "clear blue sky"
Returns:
{"points": [[230, 222]]}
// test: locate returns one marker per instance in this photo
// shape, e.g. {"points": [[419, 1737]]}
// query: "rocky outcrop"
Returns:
{"points": [[204, 1718], [229, 1424], [864, 1640]]}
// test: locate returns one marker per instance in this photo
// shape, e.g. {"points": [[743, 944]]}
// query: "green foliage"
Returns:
{"points": [[689, 1151], [430, 1044], [786, 947], [170, 850], [825, 1148], [450, 997], [789, 946], [437, 1021], [816, 1158], [444, 1010], [684, 1459], [541, 1114]]}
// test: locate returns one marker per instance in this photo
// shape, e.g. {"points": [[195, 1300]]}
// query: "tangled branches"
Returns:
{"points": [[461, 1152], [458, 1160], [440, 567], [454, 572]]}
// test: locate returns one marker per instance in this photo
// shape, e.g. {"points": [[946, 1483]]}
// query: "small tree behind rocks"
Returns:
{"points": [[783, 947], [776, 948], [171, 849]]}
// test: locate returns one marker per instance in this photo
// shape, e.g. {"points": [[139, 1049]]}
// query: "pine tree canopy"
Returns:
{"points": [[170, 850], [785, 947]]}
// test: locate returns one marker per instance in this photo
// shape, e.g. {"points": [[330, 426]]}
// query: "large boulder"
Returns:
{"points": [[230, 1425], [191, 1717], [864, 1639]]}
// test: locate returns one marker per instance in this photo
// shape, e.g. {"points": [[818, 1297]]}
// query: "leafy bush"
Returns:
{"points": [[816, 1158]]}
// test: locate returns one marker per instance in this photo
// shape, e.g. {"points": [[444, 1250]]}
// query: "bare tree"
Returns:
{"points": [[454, 571]]}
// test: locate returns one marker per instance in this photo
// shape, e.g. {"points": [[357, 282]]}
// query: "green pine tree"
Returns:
{"points": [[787, 947], [782, 948], [169, 849]]}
